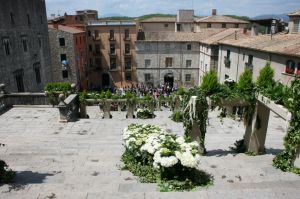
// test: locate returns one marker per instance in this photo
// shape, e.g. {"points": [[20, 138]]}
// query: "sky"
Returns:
{"points": [[135, 8]]}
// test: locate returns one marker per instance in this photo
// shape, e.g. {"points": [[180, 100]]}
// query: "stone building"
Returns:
{"points": [[281, 50], [219, 21], [25, 64], [111, 53], [170, 57], [68, 55], [294, 24], [209, 48]]}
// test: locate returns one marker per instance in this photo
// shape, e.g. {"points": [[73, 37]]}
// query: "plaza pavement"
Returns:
{"points": [[82, 159]]}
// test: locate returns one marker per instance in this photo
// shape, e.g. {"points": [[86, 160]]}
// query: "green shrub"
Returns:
{"points": [[177, 116], [58, 86], [265, 78], [210, 83], [181, 91], [245, 83], [6, 174]]}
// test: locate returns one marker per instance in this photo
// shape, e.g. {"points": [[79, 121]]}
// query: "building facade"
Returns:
{"points": [[253, 54], [111, 54], [68, 55], [25, 54], [294, 24]]}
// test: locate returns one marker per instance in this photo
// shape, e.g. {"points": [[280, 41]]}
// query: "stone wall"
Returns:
{"points": [[24, 19]]}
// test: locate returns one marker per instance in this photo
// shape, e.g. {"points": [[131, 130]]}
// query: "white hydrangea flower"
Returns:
{"points": [[164, 161], [187, 159]]}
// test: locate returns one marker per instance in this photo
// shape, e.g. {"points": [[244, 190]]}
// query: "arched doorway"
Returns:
{"points": [[105, 80], [169, 79]]}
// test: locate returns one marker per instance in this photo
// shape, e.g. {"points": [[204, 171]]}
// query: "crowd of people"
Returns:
{"points": [[142, 90]]}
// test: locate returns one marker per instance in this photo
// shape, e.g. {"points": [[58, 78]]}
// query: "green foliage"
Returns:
{"points": [[239, 146], [83, 96], [144, 17], [285, 160], [58, 87], [210, 83], [177, 116], [55, 88], [245, 84], [145, 114], [6, 174], [108, 94], [118, 18], [181, 91], [265, 78]]}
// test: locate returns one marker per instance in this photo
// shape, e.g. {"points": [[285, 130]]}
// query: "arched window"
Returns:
{"points": [[290, 67]]}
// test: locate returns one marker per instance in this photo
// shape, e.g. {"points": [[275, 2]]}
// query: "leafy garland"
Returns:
{"points": [[285, 160], [145, 113], [55, 88]]}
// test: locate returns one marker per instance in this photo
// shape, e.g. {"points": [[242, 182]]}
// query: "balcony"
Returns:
{"points": [[127, 53], [227, 62]]}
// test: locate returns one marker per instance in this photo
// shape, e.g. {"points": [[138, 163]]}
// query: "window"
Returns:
{"points": [[97, 49], [96, 32], [63, 57], [189, 47], [91, 62], [112, 49], [250, 59], [37, 75], [6, 45], [24, 43], [178, 27], [89, 33], [298, 69], [296, 25], [188, 63], [208, 25], [111, 34], [226, 76], [28, 19], [236, 25], [128, 76], [147, 62], [228, 54], [147, 47], [290, 67], [127, 63], [166, 25], [19, 80], [98, 62], [90, 48], [62, 42], [188, 77], [41, 17], [65, 74], [127, 48], [169, 61], [113, 63], [76, 41], [147, 77], [12, 18], [126, 33], [223, 25]]}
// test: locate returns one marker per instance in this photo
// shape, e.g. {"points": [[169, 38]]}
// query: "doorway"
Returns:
{"points": [[105, 80], [169, 79]]}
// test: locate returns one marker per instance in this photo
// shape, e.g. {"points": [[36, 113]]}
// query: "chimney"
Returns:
{"points": [[214, 12]]}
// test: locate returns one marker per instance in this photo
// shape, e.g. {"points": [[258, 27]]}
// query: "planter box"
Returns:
{"points": [[225, 102]]}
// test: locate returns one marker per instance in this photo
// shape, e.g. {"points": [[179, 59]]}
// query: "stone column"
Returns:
{"points": [[196, 136], [130, 109], [83, 110], [176, 104], [297, 158], [256, 132], [63, 109], [106, 109]]}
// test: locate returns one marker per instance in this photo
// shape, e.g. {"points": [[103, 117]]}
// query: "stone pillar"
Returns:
{"points": [[83, 110], [130, 109], [73, 88], [297, 158], [158, 105], [196, 136], [106, 109], [256, 132], [119, 106], [63, 109], [176, 104]]}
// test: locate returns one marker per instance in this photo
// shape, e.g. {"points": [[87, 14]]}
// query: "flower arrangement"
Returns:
{"points": [[171, 160], [145, 113]]}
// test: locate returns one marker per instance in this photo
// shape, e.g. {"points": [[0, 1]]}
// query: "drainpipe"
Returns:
{"points": [[220, 63], [238, 61], [120, 37]]}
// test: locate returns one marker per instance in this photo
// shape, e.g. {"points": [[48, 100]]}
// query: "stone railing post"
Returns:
{"points": [[297, 158], [176, 104], [73, 88], [158, 105], [63, 109], [151, 106], [83, 110], [130, 109], [106, 109]]}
